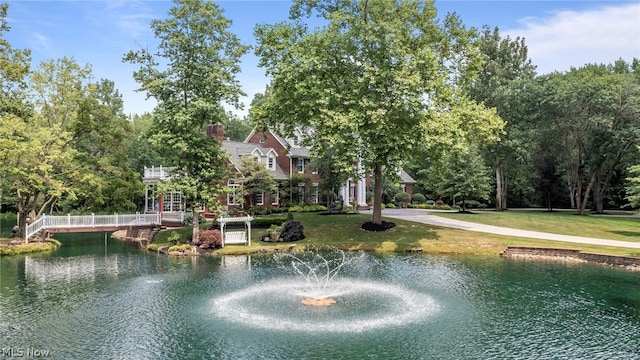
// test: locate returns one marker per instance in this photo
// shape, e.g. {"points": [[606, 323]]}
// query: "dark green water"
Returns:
{"points": [[88, 301]]}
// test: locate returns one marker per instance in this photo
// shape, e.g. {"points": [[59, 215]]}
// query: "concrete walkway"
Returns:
{"points": [[424, 217]]}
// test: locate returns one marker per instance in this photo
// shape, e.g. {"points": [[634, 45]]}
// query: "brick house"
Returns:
{"points": [[289, 163]]}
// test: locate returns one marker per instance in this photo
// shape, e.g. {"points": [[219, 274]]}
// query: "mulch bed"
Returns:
{"points": [[369, 226]]}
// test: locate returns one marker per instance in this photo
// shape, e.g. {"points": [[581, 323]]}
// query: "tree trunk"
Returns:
{"points": [[196, 225], [598, 194], [498, 187], [501, 188], [377, 195], [583, 205]]}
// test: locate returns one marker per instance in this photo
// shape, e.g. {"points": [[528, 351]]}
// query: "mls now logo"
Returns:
{"points": [[23, 352]]}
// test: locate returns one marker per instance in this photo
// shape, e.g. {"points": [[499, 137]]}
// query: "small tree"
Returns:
{"points": [[255, 179], [463, 175]]}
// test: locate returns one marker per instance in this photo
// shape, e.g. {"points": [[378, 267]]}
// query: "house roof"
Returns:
{"points": [[406, 178], [294, 149], [238, 149]]}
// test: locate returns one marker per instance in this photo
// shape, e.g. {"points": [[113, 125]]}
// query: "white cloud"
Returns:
{"points": [[568, 39], [41, 44]]}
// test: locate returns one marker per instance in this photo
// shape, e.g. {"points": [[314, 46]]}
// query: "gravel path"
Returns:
{"points": [[425, 217]]}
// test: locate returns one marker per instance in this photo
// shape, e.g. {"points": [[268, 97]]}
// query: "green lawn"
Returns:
{"points": [[344, 232], [560, 222]]}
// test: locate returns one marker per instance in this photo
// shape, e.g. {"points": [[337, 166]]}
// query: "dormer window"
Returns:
{"points": [[271, 163]]}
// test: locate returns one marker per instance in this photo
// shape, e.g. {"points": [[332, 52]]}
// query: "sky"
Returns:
{"points": [[558, 34]]}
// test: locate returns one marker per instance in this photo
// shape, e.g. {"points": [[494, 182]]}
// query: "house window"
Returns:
{"points": [[172, 202], [314, 194], [260, 199], [314, 169], [275, 198], [233, 197], [300, 165], [271, 163], [404, 187], [301, 193]]}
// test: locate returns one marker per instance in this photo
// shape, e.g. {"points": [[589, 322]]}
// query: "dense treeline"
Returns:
{"points": [[570, 137]]}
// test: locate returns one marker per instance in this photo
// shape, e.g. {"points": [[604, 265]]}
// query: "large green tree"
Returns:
{"points": [[378, 80], [595, 109], [190, 75], [506, 68]]}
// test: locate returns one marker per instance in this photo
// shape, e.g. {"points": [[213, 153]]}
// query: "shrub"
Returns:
{"points": [[210, 239], [418, 198], [369, 196], [174, 238], [183, 247], [273, 233], [391, 206], [382, 206], [289, 216], [292, 231], [296, 208], [402, 197], [439, 202]]}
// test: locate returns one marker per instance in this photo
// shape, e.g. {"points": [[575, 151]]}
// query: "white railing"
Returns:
{"points": [[158, 172], [90, 221], [174, 217]]}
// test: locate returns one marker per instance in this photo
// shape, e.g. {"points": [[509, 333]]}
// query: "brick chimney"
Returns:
{"points": [[216, 131]]}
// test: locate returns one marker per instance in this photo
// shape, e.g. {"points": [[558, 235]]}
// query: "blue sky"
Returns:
{"points": [[558, 34]]}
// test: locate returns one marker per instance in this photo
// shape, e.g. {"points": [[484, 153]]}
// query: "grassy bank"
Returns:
{"points": [[344, 232], [33, 247]]}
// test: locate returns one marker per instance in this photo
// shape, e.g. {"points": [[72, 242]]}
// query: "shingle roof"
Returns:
{"points": [[406, 178], [237, 149]]}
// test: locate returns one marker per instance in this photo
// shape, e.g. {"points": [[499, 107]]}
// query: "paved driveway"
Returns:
{"points": [[425, 217]]}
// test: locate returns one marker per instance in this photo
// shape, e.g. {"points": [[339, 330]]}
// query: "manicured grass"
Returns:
{"points": [[344, 232], [558, 222]]}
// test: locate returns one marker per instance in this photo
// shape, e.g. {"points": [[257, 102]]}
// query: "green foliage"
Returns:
{"points": [[633, 186], [174, 238], [307, 208], [362, 79], [237, 129], [254, 179], [390, 206], [180, 248], [190, 75], [289, 216], [402, 197], [463, 176], [418, 198], [30, 248], [595, 111]]}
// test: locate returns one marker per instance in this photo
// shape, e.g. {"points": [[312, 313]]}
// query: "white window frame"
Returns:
{"points": [[275, 197], [314, 193], [300, 165], [232, 196], [302, 189], [259, 196], [271, 163]]}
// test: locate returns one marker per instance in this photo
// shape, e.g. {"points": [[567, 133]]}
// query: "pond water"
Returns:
{"points": [[89, 300]]}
